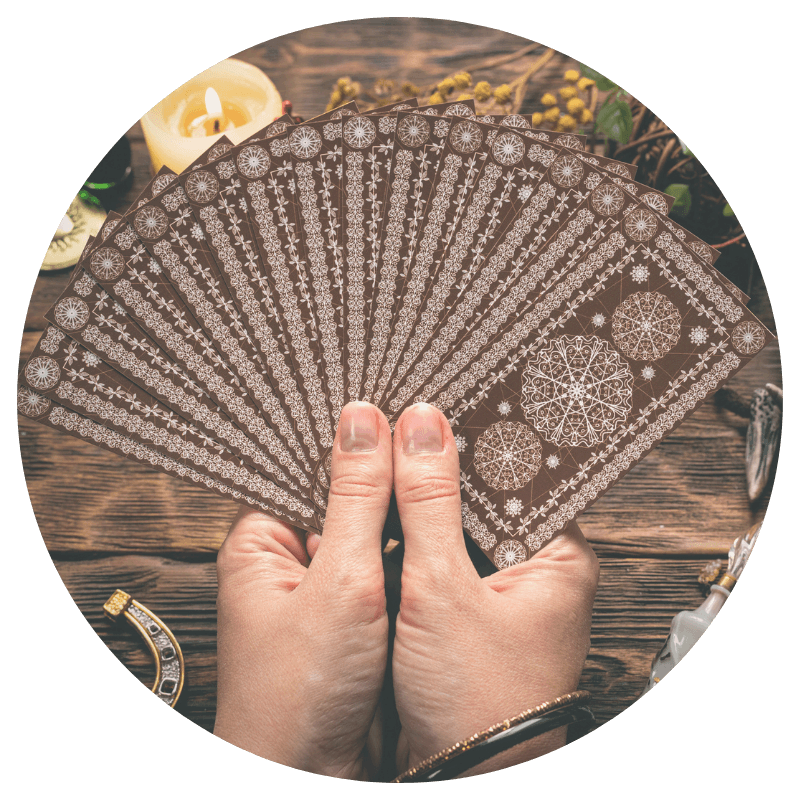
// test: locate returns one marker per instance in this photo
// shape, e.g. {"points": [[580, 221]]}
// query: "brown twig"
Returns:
{"points": [[731, 241]]}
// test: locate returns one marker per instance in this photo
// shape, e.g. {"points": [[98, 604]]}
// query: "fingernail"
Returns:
{"points": [[358, 428], [422, 431]]}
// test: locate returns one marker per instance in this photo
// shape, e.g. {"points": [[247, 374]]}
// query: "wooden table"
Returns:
{"points": [[109, 523]]}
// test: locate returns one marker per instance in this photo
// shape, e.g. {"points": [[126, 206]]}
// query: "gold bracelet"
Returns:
{"points": [[435, 761], [158, 637]]}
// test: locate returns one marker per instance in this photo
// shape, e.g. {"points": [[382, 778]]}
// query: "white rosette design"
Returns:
{"points": [[71, 313], [466, 137], [576, 390], [30, 403], [567, 171], [150, 222], [508, 149], [107, 263], [359, 132], [607, 199], [507, 455], [42, 373], [516, 121], [253, 161], [656, 202], [646, 326], [305, 142], [202, 186], [459, 110], [509, 553], [748, 338], [413, 131], [641, 225]]}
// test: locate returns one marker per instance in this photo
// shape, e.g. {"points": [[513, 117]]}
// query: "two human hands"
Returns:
{"points": [[303, 629]]}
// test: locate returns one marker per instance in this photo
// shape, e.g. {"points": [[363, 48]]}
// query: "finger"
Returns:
{"points": [[361, 485], [254, 532], [312, 544], [428, 491]]}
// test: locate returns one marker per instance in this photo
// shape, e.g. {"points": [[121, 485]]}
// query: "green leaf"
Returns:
{"points": [[603, 83], [615, 121], [728, 211], [683, 198]]}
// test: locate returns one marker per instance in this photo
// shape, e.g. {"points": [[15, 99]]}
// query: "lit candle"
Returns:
{"points": [[232, 98]]}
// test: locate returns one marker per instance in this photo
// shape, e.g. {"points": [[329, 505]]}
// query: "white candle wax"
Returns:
{"points": [[248, 101]]}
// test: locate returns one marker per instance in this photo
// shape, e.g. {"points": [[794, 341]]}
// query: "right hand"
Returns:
{"points": [[468, 652]]}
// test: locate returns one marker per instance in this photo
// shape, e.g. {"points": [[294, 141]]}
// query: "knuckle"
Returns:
{"points": [[431, 487], [359, 483]]}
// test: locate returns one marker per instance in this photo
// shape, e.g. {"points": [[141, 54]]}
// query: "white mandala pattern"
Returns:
{"points": [[359, 132], [342, 112], [218, 150], [507, 455], [641, 225], [150, 222], [461, 443], [648, 373], [509, 553], [598, 320], [748, 338], [656, 202], [71, 313], [553, 461], [305, 142], [459, 110], [107, 263], [161, 182], [646, 326], [567, 171], [568, 140], [253, 161], [42, 373], [508, 149], [698, 335], [516, 121], [413, 131], [202, 186], [525, 192], [607, 199], [30, 403], [504, 409], [702, 249], [466, 137], [639, 273], [576, 390]]}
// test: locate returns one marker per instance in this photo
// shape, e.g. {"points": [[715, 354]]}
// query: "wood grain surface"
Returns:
{"points": [[110, 523]]}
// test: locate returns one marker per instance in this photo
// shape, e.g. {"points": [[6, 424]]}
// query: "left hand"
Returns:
{"points": [[302, 643]]}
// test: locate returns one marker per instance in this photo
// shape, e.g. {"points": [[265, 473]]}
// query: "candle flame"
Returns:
{"points": [[213, 104]]}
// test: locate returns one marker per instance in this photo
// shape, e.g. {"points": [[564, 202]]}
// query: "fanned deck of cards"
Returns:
{"points": [[534, 292]]}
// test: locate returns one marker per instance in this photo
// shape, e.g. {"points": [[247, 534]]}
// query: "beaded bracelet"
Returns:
{"points": [[479, 747]]}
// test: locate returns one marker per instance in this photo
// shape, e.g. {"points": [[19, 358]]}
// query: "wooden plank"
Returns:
{"points": [[635, 605]]}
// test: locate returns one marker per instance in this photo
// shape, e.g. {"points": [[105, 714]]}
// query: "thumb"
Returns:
{"points": [[361, 485], [428, 490]]}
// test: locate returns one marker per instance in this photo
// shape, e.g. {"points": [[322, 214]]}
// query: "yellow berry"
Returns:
{"points": [[585, 83], [586, 116], [549, 99], [336, 98], [575, 106], [446, 86], [462, 97], [502, 93], [571, 75], [435, 99], [537, 119], [410, 89], [462, 80], [342, 82], [568, 91], [566, 123], [552, 114], [483, 91]]}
